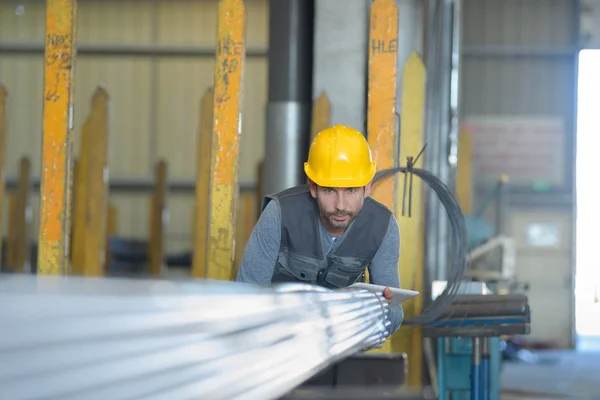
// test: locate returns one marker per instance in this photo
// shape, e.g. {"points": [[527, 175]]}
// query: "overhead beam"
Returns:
{"points": [[133, 50]]}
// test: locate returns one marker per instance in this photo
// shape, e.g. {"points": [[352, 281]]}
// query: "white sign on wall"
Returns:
{"points": [[528, 149]]}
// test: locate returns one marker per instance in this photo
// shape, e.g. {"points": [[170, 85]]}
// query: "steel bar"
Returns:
{"points": [[484, 310], [96, 338], [132, 50], [57, 129]]}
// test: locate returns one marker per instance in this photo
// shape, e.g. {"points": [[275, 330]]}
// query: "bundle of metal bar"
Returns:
{"points": [[98, 338], [483, 316], [473, 306]]}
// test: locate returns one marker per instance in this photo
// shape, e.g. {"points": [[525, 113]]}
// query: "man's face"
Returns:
{"points": [[339, 206]]}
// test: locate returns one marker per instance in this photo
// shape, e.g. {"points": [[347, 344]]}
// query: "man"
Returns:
{"points": [[329, 231]]}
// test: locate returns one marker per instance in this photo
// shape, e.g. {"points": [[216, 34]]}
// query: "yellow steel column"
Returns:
{"points": [[96, 191], [246, 220], [20, 221], [381, 118], [11, 239], [412, 229], [3, 101], [259, 189], [464, 171], [111, 230], [57, 125], [321, 115], [229, 65], [79, 202], [200, 234], [158, 222]]}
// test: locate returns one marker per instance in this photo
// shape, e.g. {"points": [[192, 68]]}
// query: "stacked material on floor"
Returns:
{"points": [[109, 338]]}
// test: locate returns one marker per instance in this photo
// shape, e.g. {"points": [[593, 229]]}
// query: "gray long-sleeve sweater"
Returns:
{"points": [[260, 256]]}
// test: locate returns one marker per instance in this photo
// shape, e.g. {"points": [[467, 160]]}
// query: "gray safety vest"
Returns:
{"points": [[301, 257]]}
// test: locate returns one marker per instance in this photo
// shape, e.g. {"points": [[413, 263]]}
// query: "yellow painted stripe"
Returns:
{"points": [[229, 65], [59, 68], [381, 119]]}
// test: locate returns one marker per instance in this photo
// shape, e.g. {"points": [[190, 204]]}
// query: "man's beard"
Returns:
{"points": [[337, 224]]}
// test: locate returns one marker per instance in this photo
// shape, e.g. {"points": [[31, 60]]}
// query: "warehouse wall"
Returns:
{"points": [[518, 96], [154, 100]]}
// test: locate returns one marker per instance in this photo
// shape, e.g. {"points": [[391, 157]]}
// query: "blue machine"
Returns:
{"points": [[468, 343], [460, 370]]}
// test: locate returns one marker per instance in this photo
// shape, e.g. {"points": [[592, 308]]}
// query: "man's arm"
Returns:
{"points": [[384, 269], [260, 254]]}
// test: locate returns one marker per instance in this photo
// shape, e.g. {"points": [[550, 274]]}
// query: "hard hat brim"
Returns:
{"points": [[341, 182]]}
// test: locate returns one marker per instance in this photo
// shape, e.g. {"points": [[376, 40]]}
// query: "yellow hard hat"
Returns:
{"points": [[340, 156]]}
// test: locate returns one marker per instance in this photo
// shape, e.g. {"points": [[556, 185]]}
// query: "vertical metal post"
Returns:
{"points": [[439, 25], [158, 221], [464, 172], [290, 93], [485, 368], [410, 212], [19, 243], [201, 208], [456, 23], [245, 223], [3, 101], [229, 66], [57, 125], [502, 204], [442, 352], [111, 230], [476, 369], [96, 186], [381, 103], [79, 202]]}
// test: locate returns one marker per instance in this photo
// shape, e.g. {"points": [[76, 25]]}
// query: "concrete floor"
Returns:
{"points": [[555, 375]]}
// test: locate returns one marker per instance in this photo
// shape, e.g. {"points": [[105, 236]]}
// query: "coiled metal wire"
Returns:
{"points": [[460, 244], [102, 338]]}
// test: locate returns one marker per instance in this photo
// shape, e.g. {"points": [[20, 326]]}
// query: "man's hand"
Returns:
{"points": [[387, 293]]}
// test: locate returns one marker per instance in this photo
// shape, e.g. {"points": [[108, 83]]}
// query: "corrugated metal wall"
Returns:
{"points": [[154, 109], [519, 59]]}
